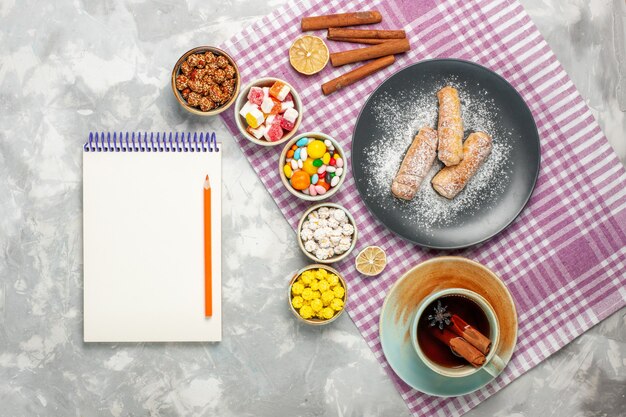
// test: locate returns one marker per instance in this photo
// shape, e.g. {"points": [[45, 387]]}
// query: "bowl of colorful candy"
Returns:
{"points": [[327, 233], [317, 294], [205, 80], [312, 166], [268, 111]]}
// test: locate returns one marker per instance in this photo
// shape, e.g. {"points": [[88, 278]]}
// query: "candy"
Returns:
{"points": [[273, 133], [330, 169], [307, 277], [288, 171], [312, 192], [309, 167], [290, 153], [326, 158], [334, 181], [323, 184], [339, 172], [332, 279], [255, 95], [294, 164], [332, 162], [300, 163], [321, 170], [266, 92], [306, 312], [286, 105], [327, 297], [307, 293], [291, 115], [328, 313], [300, 180], [303, 154], [320, 189], [338, 291], [302, 141], [298, 301], [258, 132], [336, 304], [316, 148], [288, 126], [255, 118], [328, 143], [277, 108], [297, 153], [317, 305], [246, 108], [318, 163], [267, 105], [339, 162], [314, 179], [324, 285], [297, 288], [279, 90]]}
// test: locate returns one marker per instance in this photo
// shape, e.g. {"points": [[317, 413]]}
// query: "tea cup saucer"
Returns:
{"points": [[400, 306]]}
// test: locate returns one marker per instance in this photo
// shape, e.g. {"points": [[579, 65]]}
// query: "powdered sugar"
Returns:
{"points": [[401, 123]]}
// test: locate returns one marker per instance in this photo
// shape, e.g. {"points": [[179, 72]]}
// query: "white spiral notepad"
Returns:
{"points": [[143, 237]]}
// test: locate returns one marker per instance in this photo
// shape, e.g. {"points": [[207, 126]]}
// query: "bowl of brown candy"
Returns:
{"points": [[205, 80]]}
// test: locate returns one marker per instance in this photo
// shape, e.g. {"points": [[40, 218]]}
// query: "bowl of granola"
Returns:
{"points": [[205, 81]]}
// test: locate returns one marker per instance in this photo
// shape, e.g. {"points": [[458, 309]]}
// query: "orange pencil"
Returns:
{"points": [[208, 285]]}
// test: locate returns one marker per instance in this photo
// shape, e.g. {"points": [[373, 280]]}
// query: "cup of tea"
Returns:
{"points": [[447, 347]]}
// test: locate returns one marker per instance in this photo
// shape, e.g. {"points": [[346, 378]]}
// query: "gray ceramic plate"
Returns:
{"points": [[485, 207]]}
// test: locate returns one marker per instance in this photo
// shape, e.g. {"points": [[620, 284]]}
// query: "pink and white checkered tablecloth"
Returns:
{"points": [[563, 259]]}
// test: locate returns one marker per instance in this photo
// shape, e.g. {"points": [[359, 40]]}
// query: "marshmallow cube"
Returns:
{"points": [[255, 118], [290, 115], [286, 105], [274, 133], [255, 95], [267, 105], [279, 90], [246, 108], [258, 132]]}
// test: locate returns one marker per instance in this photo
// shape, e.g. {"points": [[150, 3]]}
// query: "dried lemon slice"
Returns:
{"points": [[371, 261], [308, 54]]}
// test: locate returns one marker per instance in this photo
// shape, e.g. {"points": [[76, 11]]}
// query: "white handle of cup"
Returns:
{"points": [[494, 366]]}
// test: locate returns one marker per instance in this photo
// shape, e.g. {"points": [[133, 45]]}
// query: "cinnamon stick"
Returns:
{"points": [[361, 40], [391, 47], [341, 19], [357, 74], [365, 33], [469, 333], [460, 346]]}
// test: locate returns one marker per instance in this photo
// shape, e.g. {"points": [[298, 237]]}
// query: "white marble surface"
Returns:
{"points": [[67, 67]]}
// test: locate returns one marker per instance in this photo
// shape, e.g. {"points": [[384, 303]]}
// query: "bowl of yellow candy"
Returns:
{"points": [[317, 294]]}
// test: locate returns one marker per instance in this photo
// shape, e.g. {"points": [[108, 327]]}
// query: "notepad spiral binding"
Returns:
{"points": [[151, 142]]}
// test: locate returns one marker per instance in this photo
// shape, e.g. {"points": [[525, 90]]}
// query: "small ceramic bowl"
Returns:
{"points": [[316, 321], [283, 158], [176, 71], [243, 98], [336, 258]]}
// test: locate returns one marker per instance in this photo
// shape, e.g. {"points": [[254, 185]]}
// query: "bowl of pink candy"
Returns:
{"points": [[312, 166], [268, 111]]}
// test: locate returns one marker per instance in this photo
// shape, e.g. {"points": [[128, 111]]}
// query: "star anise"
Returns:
{"points": [[440, 318]]}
